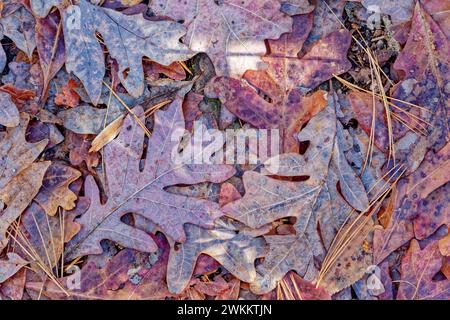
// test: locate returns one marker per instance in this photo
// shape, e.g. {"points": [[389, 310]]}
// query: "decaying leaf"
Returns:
{"points": [[50, 46], [424, 64], [128, 39], [19, 27], [235, 250], [16, 153], [132, 189], [286, 78], [231, 32], [419, 266], [313, 202], [9, 115], [55, 190], [129, 275], [10, 267], [18, 193], [42, 7], [86, 119], [412, 195]]}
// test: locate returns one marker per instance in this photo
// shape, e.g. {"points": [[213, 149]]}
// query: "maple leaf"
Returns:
{"points": [[142, 191], [231, 32], [234, 249], [128, 39], [129, 275], [284, 82], [313, 202], [418, 268]]}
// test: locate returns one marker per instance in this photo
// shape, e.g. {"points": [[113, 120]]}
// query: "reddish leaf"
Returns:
{"points": [[419, 266], [424, 64], [50, 47], [130, 190], [68, 96], [129, 275], [286, 78], [412, 196], [231, 32], [55, 190]]}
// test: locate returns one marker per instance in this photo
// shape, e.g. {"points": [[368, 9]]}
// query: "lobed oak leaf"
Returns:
{"points": [[285, 81], [140, 187], [130, 275], [18, 193], [16, 153], [314, 202], [234, 249], [231, 32], [128, 39], [55, 190]]}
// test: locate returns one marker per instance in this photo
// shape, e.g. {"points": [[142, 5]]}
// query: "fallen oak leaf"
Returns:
{"points": [[285, 81], [55, 190], [418, 268], [315, 203], [143, 191], [231, 32], [10, 267], [412, 191], [17, 153], [18, 193], [128, 39], [50, 47], [129, 275], [423, 65], [234, 250]]}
